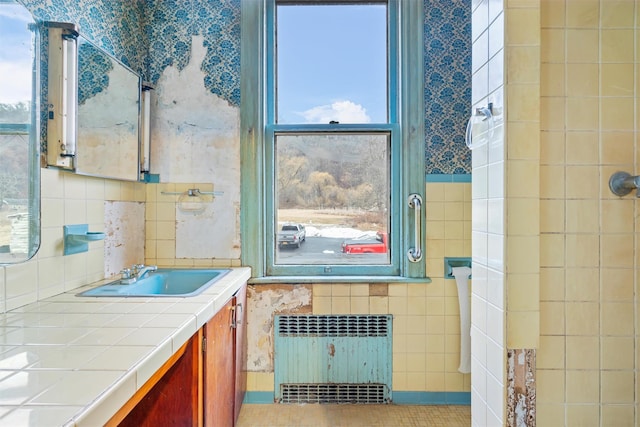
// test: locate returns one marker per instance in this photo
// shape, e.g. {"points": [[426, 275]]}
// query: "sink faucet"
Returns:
{"points": [[136, 272]]}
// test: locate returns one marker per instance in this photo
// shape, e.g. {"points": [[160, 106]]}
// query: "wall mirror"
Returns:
{"points": [[19, 134], [94, 102]]}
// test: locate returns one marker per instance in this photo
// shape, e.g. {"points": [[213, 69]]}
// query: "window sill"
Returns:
{"points": [[336, 279]]}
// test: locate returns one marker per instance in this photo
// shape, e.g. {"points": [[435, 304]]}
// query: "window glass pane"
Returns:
{"points": [[331, 63], [332, 199]]}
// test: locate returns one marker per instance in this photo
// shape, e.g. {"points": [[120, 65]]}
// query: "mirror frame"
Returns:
{"points": [[65, 124]]}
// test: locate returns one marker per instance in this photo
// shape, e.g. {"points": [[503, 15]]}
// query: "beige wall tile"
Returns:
{"points": [[617, 285], [582, 46], [552, 250], [582, 214], [618, 353], [552, 46], [582, 13], [582, 318], [552, 113], [583, 352], [524, 140], [523, 27], [582, 182], [524, 101], [617, 79], [552, 284], [617, 387], [523, 329], [552, 13], [583, 415], [551, 354], [617, 114], [523, 292], [617, 319], [582, 114], [552, 216], [519, 216], [618, 415], [617, 148], [552, 147], [582, 387], [552, 415], [618, 14], [552, 79], [582, 284], [617, 250], [617, 45], [583, 79], [582, 148]]}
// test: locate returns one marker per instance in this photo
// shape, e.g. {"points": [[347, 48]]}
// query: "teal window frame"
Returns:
{"points": [[258, 128]]}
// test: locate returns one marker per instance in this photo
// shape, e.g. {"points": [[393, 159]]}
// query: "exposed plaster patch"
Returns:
{"points": [[264, 302], [124, 235], [521, 388]]}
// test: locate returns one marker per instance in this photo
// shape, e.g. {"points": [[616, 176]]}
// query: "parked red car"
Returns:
{"points": [[377, 244]]}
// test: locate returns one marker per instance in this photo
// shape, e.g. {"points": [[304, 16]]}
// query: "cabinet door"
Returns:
{"points": [[219, 374], [173, 399], [240, 304]]}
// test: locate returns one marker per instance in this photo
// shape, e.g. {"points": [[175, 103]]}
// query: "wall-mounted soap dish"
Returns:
{"points": [[77, 238]]}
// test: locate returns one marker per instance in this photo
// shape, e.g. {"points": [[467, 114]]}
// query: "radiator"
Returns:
{"points": [[333, 359]]}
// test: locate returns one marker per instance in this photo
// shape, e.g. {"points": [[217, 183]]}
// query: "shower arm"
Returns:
{"points": [[622, 183]]}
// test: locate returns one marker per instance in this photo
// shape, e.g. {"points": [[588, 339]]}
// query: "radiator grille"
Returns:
{"points": [[333, 393], [333, 358], [334, 326]]}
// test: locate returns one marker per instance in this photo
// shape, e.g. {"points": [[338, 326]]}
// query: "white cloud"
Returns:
{"points": [[15, 82], [341, 111]]}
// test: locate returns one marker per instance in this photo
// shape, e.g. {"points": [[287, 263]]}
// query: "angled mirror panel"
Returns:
{"points": [[19, 135], [108, 115]]}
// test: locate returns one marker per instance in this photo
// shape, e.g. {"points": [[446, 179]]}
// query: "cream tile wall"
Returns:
{"points": [[587, 357], [163, 201], [66, 199], [426, 330]]}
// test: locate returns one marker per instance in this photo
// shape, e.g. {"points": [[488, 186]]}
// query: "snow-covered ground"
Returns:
{"points": [[341, 232]]}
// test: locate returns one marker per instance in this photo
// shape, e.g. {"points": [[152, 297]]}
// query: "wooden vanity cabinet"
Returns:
{"points": [[224, 357], [170, 397], [203, 383]]}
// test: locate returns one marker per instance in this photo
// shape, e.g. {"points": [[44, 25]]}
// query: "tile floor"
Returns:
{"points": [[261, 415]]}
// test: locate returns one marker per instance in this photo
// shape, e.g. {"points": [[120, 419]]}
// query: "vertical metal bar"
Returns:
{"points": [[415, 254]]}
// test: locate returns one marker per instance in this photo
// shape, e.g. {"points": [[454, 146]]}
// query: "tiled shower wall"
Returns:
{"points": [[587, 359]]}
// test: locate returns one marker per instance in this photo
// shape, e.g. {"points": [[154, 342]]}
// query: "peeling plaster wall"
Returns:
{"points": [[264, 302], [195, 138]]}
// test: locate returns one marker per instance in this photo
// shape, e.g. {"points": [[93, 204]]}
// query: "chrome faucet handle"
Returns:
{"points": [[126, 273]]}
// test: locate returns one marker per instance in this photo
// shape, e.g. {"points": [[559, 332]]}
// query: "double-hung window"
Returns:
{"points": [[332, 139]]}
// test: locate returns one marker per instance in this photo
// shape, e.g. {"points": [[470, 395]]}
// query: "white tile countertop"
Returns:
{"points": [[75, 361]]}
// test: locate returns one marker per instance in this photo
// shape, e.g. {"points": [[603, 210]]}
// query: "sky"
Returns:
{"points": [[331, 64], [15, 54]]}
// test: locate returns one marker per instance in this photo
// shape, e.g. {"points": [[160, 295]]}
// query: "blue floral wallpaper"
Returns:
{"points": [[169, 27], [115, 26], [151, 35], [93, 72], [447, 69]]}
